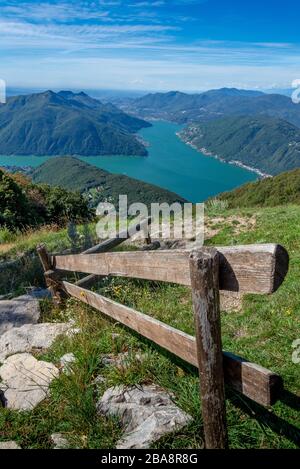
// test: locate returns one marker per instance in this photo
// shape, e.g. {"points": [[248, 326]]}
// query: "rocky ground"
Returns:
{"points": [[145, 413]]}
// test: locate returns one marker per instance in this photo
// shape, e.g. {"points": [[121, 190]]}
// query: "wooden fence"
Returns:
{"points": [[250, 269]]}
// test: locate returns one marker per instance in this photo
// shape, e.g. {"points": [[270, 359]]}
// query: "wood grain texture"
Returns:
{"points": [[44, 257], [254, 381], [249, 269], [52, 279], [204, 271]]}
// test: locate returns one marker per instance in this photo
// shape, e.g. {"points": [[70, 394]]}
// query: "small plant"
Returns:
{"points": [[73, 236], [216, 206], [6, 236], [87, 237]]}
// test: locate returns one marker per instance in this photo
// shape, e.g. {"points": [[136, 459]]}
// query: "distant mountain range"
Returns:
{"points": [[74, 174], [267, 144], [67, 123], [259, 130], [185, 108]]}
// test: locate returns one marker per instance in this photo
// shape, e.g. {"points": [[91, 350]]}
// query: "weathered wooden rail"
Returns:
{"points": [[250, 269]]}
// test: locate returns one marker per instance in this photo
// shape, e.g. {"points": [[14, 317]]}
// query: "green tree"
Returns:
{"points": [[15, 210], [62, 205]]}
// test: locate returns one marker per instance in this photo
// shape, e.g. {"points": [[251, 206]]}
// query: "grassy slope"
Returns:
{"points": [[262, 332], [270, 192], [29, 273]]}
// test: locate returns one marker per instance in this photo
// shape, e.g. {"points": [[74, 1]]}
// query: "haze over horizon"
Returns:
{"points": [[156, 45]]}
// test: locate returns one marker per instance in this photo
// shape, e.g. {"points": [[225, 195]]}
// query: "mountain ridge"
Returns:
{"points": [[185, 108], [266, 144], [66, 123], [81, 176]]}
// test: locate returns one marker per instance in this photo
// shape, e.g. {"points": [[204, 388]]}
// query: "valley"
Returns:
{"points": [[170, 164]]}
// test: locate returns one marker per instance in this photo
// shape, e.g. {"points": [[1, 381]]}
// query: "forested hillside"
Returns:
{"points": [[66, 123], [75, 174], [267, 144]]}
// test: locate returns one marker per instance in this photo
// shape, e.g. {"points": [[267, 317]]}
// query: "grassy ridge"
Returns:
{"points": [[74, 174], [279, 190]]}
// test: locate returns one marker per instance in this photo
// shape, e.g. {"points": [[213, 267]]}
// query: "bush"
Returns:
{"points": [[62, 205], [6, 236], [24, 204], [15, 209]]}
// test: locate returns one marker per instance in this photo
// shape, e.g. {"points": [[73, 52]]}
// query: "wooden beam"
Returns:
{"points": [[44, 257], [51, 277], [204, 269], [252, 380], [109, 244], [87, 281], [249, 269]]}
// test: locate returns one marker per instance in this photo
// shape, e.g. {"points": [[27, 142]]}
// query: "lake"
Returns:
{"points": [[171, 164]]}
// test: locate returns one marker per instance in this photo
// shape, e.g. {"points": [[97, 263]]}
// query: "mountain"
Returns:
{"points": [[269, 145], [74, 174], [279, 190], [66, 123], [214, 104]]}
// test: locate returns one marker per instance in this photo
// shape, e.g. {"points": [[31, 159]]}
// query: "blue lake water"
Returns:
{"points": [[171, 164]]}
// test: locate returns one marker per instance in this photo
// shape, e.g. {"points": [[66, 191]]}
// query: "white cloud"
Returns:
{"points": [[51, 12], [143, 74], [86, 44], [147, 4]]}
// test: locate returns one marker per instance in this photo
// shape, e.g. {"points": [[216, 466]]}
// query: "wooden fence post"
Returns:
{"points": [[204, 271], [52, 278]]}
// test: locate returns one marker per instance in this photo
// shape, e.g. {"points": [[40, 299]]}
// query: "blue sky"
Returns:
{"points": [[188, 45]]}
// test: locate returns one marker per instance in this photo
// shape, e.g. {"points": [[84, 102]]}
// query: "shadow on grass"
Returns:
{"points": [[266, 417], [263, 415]]}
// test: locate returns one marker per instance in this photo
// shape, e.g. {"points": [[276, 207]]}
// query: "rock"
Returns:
{"points": [[30, 336], [9, 445], [59, 441], [17, 312], [99, 380], [115, 336], [122, 360], [146, 414], [66, 362], [115, 360], [39, 293], [25, 381]]}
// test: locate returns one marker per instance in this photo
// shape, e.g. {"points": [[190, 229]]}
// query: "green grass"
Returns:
{"points": [[262, 332], [270, 192], [17, 277]]}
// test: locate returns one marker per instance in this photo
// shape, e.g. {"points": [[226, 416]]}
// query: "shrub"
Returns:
{"points": [[24, 204], [216, 206], [15, 209]]}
